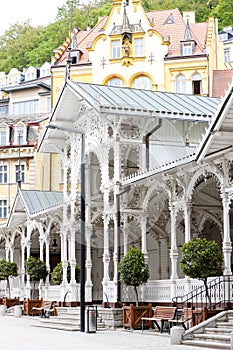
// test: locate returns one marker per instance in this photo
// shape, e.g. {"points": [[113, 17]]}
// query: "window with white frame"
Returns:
{"points": [[222, 37], [3, 137], [138, 47], [227, 54], [180, 84], [3, 208], [187, 49], [26, 107], [116, 49], [115, 82], [143, 83], [20, 173], [3, 174]]}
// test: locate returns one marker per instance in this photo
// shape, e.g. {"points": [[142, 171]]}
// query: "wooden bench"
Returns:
{"points": [[186, 319], [46, 309], [161, 314]]}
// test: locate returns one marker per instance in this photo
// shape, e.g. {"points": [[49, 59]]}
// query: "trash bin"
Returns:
{"points": [[3, 310], [18, 310], [91, 319]]}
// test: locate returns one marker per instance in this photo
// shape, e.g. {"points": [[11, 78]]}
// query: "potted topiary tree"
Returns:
{"points": [[57, 273], [134, 272], [202, 259], [37, 271], [8, 269]]}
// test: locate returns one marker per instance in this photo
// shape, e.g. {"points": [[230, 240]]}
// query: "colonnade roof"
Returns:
{"points": [[29, 204], [147, 102]]}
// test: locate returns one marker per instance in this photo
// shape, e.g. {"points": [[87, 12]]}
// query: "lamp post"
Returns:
{"points": [[82, 215]]}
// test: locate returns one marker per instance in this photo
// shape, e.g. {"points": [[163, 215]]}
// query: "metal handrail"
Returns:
{"points": [[220, 295]]}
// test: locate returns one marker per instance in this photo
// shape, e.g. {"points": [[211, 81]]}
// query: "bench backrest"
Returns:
{"points": [[164, 312], [47, 305], [187, 314]]}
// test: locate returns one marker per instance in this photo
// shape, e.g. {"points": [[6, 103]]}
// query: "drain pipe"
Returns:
{"points": [[147, 142]]}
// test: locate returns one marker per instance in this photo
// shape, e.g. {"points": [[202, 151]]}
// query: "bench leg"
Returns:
{"points": [[142, 325], [162, 324], [157, 325]]}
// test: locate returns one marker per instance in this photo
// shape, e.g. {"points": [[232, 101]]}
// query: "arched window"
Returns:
{"points": [[180, 84], [143, 83], [115, 82], [196, 84]]}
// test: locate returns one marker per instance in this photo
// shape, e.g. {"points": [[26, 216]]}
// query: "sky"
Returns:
{"points": [[40, 12]]}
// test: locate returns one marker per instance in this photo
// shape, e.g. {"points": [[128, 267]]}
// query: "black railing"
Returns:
{"points": [[217, 297]]}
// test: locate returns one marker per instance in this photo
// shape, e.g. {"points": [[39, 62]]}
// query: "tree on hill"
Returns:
{"points": [[201, 259], [223, 11]]}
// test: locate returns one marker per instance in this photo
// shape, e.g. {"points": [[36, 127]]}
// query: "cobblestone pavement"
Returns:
{"points": [[22, 333]]}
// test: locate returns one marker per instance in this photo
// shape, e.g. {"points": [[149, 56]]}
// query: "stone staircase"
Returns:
{"points": [[68, 319], [214, 333]]}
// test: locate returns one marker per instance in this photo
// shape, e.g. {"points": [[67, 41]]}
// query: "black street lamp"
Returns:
{"points": [[82, 215]]}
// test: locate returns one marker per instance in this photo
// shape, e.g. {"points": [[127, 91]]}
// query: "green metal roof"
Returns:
{"points": [[147, 101], [37, 201]]}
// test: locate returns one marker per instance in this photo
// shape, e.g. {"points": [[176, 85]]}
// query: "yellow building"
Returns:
{"points": [[158, 50], [24, 109]]}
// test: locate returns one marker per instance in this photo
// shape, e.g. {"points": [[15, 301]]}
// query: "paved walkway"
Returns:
{"points": [[21, 333]]}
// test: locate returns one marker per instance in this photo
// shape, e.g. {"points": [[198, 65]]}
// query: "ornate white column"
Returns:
{"points": [[227, 245], [143, 219], [72, 258], [47, 261], [64, 256], [106, 258], [187, 214], [143, 155], [22, 267], [11, 247], [125, 233], [28, 284], [173, 251], [7, 249]]}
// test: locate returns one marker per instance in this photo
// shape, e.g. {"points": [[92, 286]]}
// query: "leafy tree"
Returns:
{"points": [[19, 39], [36, 269], [133, 269], [223, 10], [8, 269], [201, 259], [57, 273]]}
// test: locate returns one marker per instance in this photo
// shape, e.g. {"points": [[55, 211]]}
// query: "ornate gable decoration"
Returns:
{"points": [[126, 29]]}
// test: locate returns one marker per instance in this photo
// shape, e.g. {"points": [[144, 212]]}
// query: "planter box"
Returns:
{"points": [[132, 316], [10, 302], [28, 304]]}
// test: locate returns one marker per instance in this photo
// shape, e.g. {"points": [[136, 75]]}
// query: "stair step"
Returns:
{"points": [[207, 344], [214, 337], [218, 330]]}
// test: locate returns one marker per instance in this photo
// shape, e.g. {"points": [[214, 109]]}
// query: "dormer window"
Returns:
{"points": [[187, 48]]}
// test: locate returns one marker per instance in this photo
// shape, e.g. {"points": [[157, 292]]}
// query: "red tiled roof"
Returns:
{"points": [[159, 19], [176, 30], [84, 38]]}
